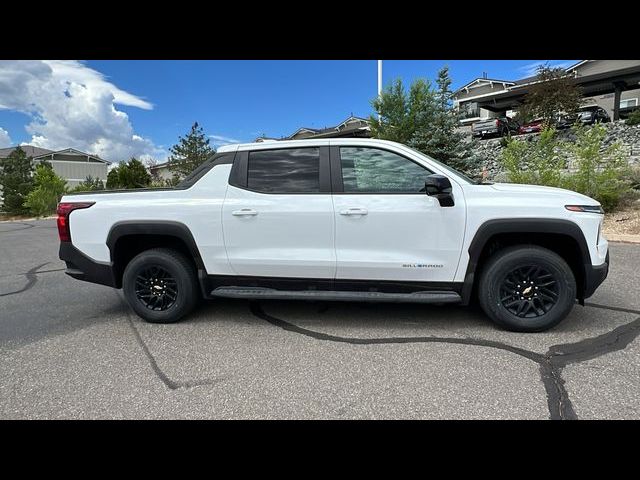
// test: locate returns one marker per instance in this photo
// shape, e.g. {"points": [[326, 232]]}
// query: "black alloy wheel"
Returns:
{"points": [[529, 291], [156, 288]]}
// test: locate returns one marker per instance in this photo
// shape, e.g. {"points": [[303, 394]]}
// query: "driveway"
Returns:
{"points": [[70, 349]]}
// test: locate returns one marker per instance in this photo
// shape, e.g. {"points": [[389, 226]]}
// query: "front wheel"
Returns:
{"points": [[160, 285], [527, 288]]}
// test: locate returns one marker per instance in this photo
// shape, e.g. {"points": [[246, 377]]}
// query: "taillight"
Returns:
{"points": [[64, 209]]}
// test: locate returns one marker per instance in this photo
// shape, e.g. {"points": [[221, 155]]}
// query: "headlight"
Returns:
{"points": [[585, 208]]}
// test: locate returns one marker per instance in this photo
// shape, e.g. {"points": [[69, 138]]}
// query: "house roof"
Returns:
{"points": [[37, 152], [71, 151], [576, 65], [480, 80], [330, 130], [30, 150]]}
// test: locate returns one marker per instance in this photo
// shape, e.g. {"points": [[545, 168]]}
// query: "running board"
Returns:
{"points": [[270, 293]]}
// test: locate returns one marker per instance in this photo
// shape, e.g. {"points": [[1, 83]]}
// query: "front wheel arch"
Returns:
{"points": [[560, 236]]}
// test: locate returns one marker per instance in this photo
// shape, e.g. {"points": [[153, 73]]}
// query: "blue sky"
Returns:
{"points": [[123, 108]]}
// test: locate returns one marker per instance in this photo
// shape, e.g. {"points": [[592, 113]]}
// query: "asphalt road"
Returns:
{"points": [[70, 349]]}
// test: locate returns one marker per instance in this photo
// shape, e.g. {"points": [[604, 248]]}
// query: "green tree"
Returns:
{"points": [[401, 114], [600, 171], [16, 181], [190, 152], [423, 118], [49, 189], [438, 135], [90, 184], [131, 174], [552, 94]]}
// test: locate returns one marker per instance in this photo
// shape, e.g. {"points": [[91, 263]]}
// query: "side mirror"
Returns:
{"points": [[439, 186]]}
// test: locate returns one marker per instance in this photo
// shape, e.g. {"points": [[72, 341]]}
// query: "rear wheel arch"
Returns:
{"points": [[560, 236], [129, 238]]}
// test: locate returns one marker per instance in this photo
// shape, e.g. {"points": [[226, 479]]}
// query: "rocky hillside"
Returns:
{"points": [[488, 151]]}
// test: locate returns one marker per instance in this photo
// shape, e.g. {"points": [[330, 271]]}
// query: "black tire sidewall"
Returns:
{"points": [[179, 269], [506, 261]]}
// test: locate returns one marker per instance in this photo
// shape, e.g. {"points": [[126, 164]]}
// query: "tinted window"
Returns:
{"points": [[372, 170], [294, 170]]}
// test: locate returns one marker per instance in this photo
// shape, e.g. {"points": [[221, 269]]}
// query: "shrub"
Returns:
{"points": [[90, 184], [633, 176], [49, 188], [131, 174], [535, 163], [633, 118], [601, 172]]}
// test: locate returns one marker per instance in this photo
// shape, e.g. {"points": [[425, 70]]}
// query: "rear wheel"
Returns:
{"points": [[160, 285], [527, 289]]}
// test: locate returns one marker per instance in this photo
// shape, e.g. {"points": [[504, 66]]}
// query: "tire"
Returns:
{"points": [[161, 285], [539, 308]]}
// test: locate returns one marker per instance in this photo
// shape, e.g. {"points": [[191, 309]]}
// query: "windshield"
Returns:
{"points": [[456, 173]]}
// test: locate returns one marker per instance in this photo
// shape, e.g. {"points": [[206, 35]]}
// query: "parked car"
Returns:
{"points": [[531, 127], [338, 219], [586, 116], [500, 127]]}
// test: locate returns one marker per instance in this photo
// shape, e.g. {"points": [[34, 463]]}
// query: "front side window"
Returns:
{"points": [[291, 170], [371, 170]]}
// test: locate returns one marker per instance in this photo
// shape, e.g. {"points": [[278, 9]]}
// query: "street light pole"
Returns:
{"points": [[379, 83]]}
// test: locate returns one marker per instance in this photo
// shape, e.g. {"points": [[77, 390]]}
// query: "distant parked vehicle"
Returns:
{"points": [[500, 127], [531, 127], [585, 116]]}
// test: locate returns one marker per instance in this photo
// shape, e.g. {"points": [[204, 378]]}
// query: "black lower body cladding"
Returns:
{"points": [[594, 276], [81, 267]]}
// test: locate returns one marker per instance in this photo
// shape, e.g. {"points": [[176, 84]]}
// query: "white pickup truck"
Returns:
{"points": [[339, 219]]}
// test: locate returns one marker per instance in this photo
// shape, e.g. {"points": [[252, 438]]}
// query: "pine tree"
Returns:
{"points": [[190, 152], [425, 119], [16, 181], [438, 135]]}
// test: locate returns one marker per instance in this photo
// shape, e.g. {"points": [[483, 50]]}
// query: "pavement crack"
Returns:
{"points": [[551, 363], [164, 378], [615, 309], [25, 227], [32, 278]]}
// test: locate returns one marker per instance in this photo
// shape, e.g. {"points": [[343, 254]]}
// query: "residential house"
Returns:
{"points": [[351, 127], [71, 164], [612, 84]]}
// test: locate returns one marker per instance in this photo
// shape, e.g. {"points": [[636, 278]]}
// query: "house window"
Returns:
{"points": [[469, 110], [629, 102]]}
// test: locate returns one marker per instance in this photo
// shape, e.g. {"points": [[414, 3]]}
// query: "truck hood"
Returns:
{"points": [[534, 190]]}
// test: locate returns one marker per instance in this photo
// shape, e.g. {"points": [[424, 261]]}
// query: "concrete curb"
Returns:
{"points": [[30, 219], [615, 237]]}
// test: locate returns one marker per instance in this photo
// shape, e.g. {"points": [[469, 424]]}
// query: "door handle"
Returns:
{"points": [[245, 212], [354, 211]]}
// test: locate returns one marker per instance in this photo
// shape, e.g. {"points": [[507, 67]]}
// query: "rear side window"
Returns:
{"points": [[202, 170], [291, 170]]}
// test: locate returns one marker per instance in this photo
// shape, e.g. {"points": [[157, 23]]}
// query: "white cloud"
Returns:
{"points": [[5, 140], [72, 105], [220, 140], [531, 69]]}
